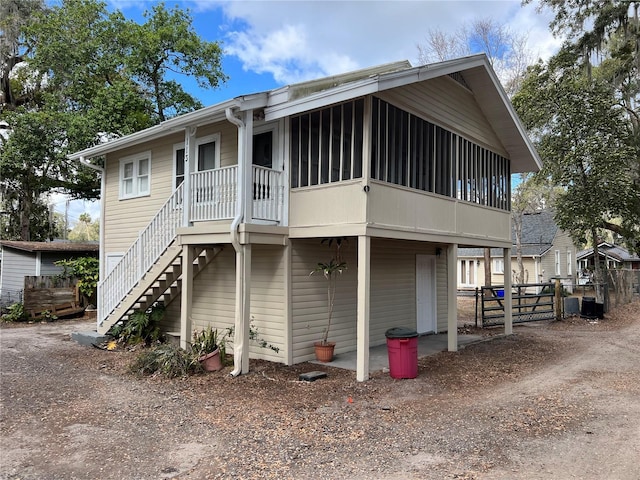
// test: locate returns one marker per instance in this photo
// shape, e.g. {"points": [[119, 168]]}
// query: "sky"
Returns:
{"points": [[268, 44]]}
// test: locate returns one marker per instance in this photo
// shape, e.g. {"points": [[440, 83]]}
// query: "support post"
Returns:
{"points": [[186, 295], [364, 289], [189, 161], [452, 297], [508, 300], [558, 300]]}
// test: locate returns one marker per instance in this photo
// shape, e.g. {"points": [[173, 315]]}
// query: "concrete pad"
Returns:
{"points": [[89, 338]]}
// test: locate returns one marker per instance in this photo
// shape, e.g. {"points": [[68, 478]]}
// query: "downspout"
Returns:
{"points": [[235, 241], [99, 169]]}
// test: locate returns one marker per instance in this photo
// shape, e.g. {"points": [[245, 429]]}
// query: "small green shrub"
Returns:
{"points": [[141, 327], [15, 313], [165, 359], [48, 316]]}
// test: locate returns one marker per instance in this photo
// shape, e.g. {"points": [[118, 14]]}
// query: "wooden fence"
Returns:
{"points": [[54, 294]]}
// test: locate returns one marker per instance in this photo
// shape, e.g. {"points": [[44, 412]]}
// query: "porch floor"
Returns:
{"points": [[379, 359]]}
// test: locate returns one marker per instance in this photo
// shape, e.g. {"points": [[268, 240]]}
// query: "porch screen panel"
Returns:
{"points": [[295, 152], [410, 151]]}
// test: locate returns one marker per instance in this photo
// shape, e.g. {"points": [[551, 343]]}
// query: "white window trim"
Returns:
{"points": [[136, 160], [276, 163], [214, 137], [498, 266], [569, 261], [557, 262], [176, 147]]}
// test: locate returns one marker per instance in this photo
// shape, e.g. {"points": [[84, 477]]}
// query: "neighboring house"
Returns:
{"points": [[21, 259], [220, 213], [547, 253], [615, 256]]}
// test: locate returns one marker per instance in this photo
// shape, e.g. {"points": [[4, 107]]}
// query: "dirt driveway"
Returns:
{"points": [[553, 401]]}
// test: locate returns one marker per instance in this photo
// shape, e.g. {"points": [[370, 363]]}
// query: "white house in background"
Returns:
{"points": [[220, 213]]}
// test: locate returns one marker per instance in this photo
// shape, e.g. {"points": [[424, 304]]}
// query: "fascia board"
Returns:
{"points": [[322, 99], [199, 117]]}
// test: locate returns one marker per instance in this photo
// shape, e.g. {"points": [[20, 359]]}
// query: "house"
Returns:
{"points": [[220, 213], [548, 253], [615, 256], [20, 259]]}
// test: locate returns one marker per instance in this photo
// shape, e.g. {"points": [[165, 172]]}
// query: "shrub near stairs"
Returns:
{"points": [[143, 326]]}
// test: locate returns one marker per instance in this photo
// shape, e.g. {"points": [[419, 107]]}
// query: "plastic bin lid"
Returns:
{"points": [[401, 332]]}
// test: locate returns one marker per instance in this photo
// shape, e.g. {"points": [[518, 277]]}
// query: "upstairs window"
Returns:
{"points": [[135, 175], [207, 152]]}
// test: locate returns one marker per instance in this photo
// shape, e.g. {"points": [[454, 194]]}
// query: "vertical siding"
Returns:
{"points": [[442, 291], [449, 105]]}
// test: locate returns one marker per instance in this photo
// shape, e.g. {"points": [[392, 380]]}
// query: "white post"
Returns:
{"points": [[189, 161], [246, 306], [364, 284], [508, 302], [186, 298], [452, 297]]}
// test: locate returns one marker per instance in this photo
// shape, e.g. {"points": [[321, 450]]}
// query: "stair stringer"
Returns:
{"points": [[166, 269]]}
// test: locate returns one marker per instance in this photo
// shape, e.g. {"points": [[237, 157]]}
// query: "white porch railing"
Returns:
{"points": [[141, 256], [213, 197]]}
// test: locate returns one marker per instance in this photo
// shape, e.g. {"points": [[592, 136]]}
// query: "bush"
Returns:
{"points": [[167, 360], [15, 313], [141, 327]]}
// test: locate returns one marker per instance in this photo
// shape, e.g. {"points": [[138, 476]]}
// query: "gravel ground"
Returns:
{"points": [[553, 401]]}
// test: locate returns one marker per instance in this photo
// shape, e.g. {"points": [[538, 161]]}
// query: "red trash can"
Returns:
{"points": [[402, 348]]}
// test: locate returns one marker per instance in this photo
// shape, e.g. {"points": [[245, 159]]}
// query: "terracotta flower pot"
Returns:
{"points": [[211, 362], [324, 352]]}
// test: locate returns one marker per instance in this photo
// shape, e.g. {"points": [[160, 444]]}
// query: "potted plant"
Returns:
{"points": [[330, 270], [209, 349]]}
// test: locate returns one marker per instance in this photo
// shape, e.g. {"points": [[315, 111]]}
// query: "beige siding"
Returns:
{"points": [[309, 299], [214, 297], [393, 293], [124, 219], [449, 105], [442, 292], [268, 299]]}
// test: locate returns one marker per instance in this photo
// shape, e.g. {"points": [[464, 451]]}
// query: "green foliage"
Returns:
{"points": [[85, 230], [16, 313], [48, 316], [141, 327], [207, 340], [165, 359], [73, 73], [86, 270]]}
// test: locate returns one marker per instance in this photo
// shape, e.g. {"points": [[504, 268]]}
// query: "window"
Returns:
{"points": [[135, 175], [498, 265], [208, 154], [557, 262], [569, 260], [326, 145], [178, 164]]}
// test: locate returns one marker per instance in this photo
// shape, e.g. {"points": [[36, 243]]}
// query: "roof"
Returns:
{"points": [[539, 230], [475, 71], [616, 252], [76, 247]]}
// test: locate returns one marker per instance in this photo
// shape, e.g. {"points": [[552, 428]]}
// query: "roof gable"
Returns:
{"points": [[473, 72]]}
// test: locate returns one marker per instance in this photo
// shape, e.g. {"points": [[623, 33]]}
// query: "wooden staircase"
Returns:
{"points": [[162, 283]]}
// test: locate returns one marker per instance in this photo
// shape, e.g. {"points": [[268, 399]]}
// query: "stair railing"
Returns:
{"points": [[141, 256]]}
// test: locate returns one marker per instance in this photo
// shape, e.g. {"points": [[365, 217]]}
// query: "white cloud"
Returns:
{"points": [[308, 39]]}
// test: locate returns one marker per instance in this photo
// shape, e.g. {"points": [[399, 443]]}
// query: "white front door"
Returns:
{"points": [[426, 293]]}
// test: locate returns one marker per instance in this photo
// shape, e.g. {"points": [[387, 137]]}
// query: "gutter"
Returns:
{"points": [[235, 241]]}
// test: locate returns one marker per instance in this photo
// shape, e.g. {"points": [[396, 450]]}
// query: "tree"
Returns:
{"points": [[604, 47], [507, 52], [85, 230], [74, 74], [584, 140]]}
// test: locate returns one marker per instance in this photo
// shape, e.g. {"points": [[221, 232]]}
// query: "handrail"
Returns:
{"points": [[141, 256]]}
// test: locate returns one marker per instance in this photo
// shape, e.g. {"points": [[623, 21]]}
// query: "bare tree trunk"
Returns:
{"points": [[517, 227], [599, 277]]}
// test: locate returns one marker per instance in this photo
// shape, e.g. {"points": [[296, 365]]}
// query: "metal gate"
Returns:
{"points": [[531, 302]]}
